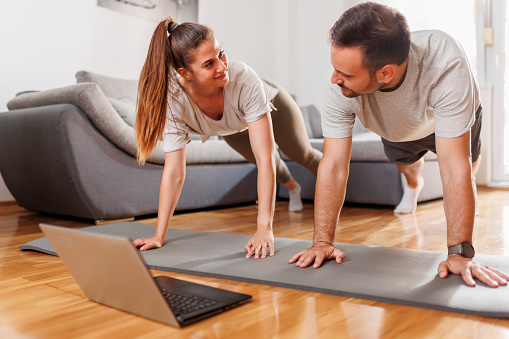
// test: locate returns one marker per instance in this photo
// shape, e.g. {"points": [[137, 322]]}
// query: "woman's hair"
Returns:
{"points": [[171, 47], [380, 31]]}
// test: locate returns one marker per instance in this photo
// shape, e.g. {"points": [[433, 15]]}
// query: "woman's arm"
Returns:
{"points": [[174, 174], [263, 145]]}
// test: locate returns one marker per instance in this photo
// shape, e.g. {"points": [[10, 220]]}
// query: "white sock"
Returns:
{"points": [[295, 203], [408, 203]]}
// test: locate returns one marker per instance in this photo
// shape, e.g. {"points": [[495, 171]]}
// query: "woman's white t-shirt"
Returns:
{"points": [[246, 99]]}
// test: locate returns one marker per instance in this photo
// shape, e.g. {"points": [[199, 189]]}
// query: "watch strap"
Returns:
{"points": [[455, 249], [465, 249]]}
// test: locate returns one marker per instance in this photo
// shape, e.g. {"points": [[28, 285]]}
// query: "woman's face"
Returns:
{"points": [[210, 65]]}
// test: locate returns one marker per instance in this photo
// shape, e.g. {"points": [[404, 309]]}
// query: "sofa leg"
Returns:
{"points": [[109, 221]]}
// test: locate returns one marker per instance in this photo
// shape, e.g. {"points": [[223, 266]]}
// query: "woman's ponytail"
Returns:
{"points": [[152, 99], [171, 47]]}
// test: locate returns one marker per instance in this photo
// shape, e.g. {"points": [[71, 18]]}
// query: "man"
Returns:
{"points": [[418, 93]]}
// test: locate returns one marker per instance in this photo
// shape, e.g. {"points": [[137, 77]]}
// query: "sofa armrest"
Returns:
{"points": [[54, 160], [91, 100]]}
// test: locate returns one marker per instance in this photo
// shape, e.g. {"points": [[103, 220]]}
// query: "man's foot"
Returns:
{"points": [[295, 200], [408, 203]]}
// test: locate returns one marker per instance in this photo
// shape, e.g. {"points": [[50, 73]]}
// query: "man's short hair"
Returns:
{"points": [[380, 31]]}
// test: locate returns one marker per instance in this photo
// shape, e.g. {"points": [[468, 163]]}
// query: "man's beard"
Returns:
{"points": [[372, 87]]}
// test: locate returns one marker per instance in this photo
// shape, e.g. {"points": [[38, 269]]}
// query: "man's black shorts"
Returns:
{"points": [[408, 152]]}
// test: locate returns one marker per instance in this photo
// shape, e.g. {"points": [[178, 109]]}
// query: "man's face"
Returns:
{"points": [[350, 74]]}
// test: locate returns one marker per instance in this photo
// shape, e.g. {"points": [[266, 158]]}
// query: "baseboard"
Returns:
{"points": [[8, 203]]}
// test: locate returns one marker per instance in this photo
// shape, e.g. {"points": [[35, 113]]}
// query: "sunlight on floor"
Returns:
{"points": [[505, 226]]}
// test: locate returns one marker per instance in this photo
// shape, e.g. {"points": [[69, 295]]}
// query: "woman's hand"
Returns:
{"points": [[148, 243], [258, 244]]}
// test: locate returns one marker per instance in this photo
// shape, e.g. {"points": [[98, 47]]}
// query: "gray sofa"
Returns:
{"points": [[71, 151], [373, 179]]}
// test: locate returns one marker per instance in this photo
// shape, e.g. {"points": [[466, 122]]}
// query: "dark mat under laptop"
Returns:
{"points": [[394, 275]]}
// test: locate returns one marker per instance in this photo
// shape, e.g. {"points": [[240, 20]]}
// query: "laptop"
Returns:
{"points": [[109, 270]]}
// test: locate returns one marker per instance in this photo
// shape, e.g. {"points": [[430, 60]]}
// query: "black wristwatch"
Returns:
{"points": [[465, 249]]}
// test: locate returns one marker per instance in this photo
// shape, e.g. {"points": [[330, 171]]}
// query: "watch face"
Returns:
{"points": [[468, 250]]}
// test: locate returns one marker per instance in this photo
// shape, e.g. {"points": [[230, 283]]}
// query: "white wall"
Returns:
{"points": [[44, 43], [283, 40]]}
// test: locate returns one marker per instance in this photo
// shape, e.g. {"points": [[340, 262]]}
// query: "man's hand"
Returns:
{"points": [[148, 243], [258, 244], [317, 254], [470, 269]]}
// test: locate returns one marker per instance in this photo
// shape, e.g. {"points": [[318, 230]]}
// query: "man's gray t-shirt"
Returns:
{"points": [[438, 95]]}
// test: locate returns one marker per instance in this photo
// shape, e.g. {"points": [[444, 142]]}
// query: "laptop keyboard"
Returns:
{"points": [[183, 304]]}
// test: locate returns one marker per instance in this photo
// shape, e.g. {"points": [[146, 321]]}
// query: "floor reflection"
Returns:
{"points": [[363, 321], [411, 228], [505, 230]]}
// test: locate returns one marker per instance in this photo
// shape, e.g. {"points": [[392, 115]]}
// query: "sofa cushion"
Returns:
{"points": [[91, 100], [111, 87], [125, 108], [211, 152], [366, 147], [312, 121]]}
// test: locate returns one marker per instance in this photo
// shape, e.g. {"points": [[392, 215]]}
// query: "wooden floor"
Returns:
{"points": [[39, 298]]}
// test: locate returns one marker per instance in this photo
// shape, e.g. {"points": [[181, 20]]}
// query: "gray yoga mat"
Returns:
{"points": [[394, 275]]}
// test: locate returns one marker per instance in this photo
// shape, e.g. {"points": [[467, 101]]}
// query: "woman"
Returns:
{"points": [[188, 86]]}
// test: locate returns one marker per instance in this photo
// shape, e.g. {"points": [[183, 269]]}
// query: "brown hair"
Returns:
{"points": [[380, 31], [158, 78]]}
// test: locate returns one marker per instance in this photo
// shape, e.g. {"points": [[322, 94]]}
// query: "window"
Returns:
{"points": [[497, 57], [505, 135]]}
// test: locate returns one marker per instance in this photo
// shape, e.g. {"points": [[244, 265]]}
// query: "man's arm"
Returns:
{"points": [[329, 198], [455, 164], [454, 159]]}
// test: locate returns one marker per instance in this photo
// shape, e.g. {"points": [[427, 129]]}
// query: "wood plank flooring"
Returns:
{"points": [[39, 298]]}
